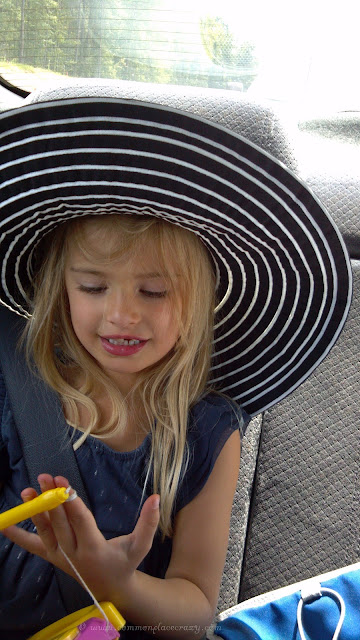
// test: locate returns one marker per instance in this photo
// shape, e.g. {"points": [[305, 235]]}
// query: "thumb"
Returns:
{"points": [[142, 537]]}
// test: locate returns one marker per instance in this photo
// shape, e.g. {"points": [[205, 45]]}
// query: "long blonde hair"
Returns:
{"points": [[169, 388]]}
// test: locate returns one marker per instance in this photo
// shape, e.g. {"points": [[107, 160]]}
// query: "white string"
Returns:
{"points": [[96, 603], [327, 592]]}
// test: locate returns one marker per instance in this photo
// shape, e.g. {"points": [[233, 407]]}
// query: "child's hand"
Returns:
{"points": [[107, 566]]}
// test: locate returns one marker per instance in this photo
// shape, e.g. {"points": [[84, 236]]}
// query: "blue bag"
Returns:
{"points": [[323, 608]]}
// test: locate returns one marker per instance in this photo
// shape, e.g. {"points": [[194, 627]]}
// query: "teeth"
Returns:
{"points": [[126, 343]]}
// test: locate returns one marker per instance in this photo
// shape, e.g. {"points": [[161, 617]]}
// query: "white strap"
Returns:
{"points": [[313, 592]]}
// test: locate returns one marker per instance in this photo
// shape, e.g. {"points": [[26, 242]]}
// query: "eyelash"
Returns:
{"points": [[91, 290], [98, 290], [153, 294]]}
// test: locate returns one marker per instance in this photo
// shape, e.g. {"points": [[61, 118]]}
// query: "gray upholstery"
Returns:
{"points": [[239, 517], [256, 122], [305, 516], [341, 197], [304, 505]]}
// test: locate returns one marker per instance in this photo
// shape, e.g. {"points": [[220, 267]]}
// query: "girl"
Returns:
{"points": [[126, 236], [122, 328]]}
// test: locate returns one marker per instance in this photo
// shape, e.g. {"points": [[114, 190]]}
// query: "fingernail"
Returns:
{"points": [[156, 502]]}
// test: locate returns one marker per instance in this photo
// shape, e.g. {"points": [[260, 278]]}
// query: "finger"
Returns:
{"points": [[28, 494], [41, 522], [80, 517], [58, 517], [45, 522], [60, 481], [142, 537], [53, 526]]}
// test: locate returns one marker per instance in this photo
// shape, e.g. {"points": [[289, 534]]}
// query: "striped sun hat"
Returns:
{"points": [[283, 273]]}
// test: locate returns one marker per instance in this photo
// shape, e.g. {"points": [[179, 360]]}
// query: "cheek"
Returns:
{"points": [[168, 327], [81, 313]]}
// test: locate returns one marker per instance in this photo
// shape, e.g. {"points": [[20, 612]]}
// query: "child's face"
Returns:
{"points": [[121, 313]]}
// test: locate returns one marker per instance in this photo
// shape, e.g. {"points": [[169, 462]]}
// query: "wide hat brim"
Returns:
{"points": [[284, 278]]}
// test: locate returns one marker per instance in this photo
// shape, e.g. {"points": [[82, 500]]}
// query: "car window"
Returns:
{"points": [[279, 50], [302, 57], [159, 41]]}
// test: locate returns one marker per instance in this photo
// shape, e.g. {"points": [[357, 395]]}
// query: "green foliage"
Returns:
{"points": [[225, 51], [120, 39]]}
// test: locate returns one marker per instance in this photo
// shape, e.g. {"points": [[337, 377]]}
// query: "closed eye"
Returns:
{"points": [[153, 294], [91, 290]]}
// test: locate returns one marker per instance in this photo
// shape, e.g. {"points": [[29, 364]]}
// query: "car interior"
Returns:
{"points": [[296, 509]]}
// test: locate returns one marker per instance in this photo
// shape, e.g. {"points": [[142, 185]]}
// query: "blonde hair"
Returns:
{"points": [[169, 388]]}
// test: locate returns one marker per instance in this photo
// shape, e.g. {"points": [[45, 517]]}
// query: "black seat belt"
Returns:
{"points": [[42, 431]]}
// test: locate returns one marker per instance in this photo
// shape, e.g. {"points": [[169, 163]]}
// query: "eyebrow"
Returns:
{"points": [[90, 271], [94, 272]]}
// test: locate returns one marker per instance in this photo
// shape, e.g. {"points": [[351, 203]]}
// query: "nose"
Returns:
{"points": [[121, 309]]}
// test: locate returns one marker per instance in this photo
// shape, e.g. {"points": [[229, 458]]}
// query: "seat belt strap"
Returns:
{"points": [[42, 431]]}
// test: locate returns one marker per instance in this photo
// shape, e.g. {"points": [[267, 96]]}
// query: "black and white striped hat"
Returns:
{"points": [[283, 273]]}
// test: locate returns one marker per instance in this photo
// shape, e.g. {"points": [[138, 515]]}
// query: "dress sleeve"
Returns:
{"points": [[211, 423]]}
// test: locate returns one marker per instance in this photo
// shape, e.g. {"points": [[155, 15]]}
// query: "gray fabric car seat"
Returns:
{"points": [[305, 516], [253, 120]]}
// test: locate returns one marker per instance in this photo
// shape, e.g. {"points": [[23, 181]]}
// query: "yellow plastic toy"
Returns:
{"points": [[101, 622], [44, 502], [85, 624]]}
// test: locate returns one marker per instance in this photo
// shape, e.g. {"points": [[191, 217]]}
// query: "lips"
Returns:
{"points": [[122, 345]]}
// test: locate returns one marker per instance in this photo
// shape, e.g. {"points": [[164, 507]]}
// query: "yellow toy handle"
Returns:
{"points": [[46, 501], [65, 628]]}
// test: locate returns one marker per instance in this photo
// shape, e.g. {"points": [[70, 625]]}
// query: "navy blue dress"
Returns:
{"points": [[29, 595]]}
